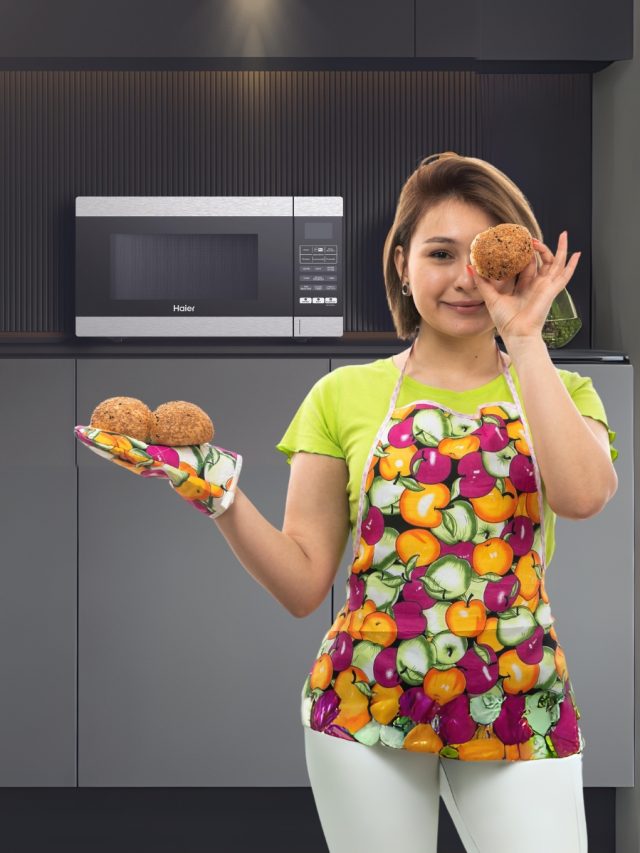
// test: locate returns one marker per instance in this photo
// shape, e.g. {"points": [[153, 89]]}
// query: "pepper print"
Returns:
{"points": [[445, 643]]}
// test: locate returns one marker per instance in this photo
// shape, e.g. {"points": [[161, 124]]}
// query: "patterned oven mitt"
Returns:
{"points": [[205, 475]]}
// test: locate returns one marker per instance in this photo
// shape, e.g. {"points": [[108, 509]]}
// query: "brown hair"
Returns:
{"points": [[439, 177]]}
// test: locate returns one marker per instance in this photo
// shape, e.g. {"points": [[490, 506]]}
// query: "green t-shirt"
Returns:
{"points": [[343, 411]]}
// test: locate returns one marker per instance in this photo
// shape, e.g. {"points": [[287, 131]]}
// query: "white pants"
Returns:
{"points": [[373, 799]]}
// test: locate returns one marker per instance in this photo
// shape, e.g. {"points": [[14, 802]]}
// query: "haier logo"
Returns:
{"points": [[184, 307]]}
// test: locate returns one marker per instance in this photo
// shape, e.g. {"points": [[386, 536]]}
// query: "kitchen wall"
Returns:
{"points": [[616, 295], [358, 134]]}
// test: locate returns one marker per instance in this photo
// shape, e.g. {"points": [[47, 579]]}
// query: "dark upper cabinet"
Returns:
{"points": [[308, 29], [217, 28], [501, 30]]}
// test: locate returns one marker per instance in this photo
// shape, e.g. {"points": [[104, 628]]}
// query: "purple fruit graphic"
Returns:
{"points": [[531, 650], [480, 667], [492, 434], [456, 724], [325, 709], [519, 534], [164, 454], [384, 667], [500, 595], [410, 619], [414, 590], [357, 588], [521, 473], [401, 435], [338, 731], [341, 651], [373, 526], [474, 480], [564, 735], [415, 704], [428, 465], [510, 726]]}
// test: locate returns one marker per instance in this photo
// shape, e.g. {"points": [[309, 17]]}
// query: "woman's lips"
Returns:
{"points": [[465, 309]]}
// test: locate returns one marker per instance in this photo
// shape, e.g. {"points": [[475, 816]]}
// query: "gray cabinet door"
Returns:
{"points": [[190, 672], [499, 30], [218, 28], [38, 574], [591, 591]]}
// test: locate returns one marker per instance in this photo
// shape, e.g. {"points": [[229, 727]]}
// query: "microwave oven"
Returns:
{"points": [[202, 266]]}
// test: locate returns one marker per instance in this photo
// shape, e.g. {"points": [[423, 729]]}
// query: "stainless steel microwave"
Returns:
{"points": [[203, 266]]}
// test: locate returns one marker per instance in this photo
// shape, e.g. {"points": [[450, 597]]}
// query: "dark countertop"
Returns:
{"points": [[350, 345]]}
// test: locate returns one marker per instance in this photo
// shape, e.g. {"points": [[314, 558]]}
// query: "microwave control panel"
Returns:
{"points": [[318, 279]]}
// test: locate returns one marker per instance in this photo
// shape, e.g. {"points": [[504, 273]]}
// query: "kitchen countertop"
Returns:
{"points": [[352, 344]]}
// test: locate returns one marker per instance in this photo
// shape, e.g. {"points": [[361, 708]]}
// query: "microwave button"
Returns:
{"points": [[332, 300], [305, 259], [330, 258], [318, 299], [304, 300]]}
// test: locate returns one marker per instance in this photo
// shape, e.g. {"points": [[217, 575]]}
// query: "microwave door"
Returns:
{"points": [[228, 274]]}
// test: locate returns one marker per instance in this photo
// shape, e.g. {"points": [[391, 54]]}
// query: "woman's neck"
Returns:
{"points": [[450, 368]]}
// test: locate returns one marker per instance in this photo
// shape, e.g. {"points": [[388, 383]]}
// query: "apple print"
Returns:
{"points": [[464, 424], [384, 667], [447, 577], [356, 591], [456, 724], [379, 591], [436, 617], [492, 434], [385, 494], [475, 482], [510, 726], [415, 704], [428, 465], [515, 626], [459, 522], [485, 708], [415, 657], [498, 464], [341, 651], [522, 474], [430, 426], [519, 534], [500, 595], [532, 650], [409, 618], [480, 667], [401, 433], [448, 647], [372, 526]]}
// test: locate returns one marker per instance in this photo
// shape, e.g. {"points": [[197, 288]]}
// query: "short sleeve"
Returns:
{"points": [[314, 426], [588, 403]]}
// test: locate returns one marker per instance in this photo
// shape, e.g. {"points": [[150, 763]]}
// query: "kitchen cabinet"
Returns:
{"points": [[38, 573], [190, 672], [499, 30], [305, 29], [216, 29]]}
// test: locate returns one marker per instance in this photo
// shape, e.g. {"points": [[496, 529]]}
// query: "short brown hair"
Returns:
{"points": [[439, 177]]}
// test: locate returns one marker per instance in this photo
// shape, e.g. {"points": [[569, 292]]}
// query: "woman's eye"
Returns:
{"points": [[440, 252]]}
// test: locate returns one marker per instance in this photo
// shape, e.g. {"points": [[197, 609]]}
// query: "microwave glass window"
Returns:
{"points": [[318, 230], [185, 266]]}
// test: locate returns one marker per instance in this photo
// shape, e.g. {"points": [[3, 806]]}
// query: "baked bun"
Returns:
{"points": [[501, 252], [180, 423], [126, 415]]}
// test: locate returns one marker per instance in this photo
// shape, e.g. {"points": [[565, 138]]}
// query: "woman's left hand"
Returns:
{"points": [[523, 311]]}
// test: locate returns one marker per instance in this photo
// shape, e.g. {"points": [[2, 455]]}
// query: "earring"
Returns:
{"points": [[405, 292]]}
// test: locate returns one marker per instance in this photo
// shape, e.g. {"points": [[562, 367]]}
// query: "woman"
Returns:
{"points": [[442, 673]]}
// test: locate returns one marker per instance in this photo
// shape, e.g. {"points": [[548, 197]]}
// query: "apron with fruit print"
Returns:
{"points": [[446, 641]]}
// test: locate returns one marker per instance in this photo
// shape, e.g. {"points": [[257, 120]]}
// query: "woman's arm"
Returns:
{"points": [[297, 564], [577, 470]]}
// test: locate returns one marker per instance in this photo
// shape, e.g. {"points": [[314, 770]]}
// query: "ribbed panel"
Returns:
{"points": [[358, 134]]}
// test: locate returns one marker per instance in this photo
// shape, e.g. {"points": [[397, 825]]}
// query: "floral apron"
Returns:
{"points": [[446, 641]]}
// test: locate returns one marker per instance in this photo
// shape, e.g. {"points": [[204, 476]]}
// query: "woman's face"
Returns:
{"points": [[437, 273]]}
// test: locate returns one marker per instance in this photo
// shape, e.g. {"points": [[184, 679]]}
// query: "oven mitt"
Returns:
{"points": [[205, 475]]}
